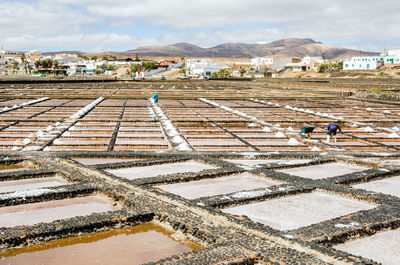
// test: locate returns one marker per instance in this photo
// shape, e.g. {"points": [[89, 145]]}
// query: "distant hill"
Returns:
{"points": [[286, 47], [63, 52]]}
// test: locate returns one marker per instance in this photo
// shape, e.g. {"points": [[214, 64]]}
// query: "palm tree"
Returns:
{"points": [[136, 68], [148, 65], [137, 58], [38, 64], [15, 66]]}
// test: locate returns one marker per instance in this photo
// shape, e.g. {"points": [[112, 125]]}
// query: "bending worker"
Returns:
{"points": [[332, 130]]}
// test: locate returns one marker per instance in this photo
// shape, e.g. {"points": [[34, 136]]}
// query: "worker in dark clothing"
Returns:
{"points": [[332, 130]]}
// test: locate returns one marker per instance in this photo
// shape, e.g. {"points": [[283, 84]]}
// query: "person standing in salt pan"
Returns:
{"points": [[155, 98], [332, 130]]}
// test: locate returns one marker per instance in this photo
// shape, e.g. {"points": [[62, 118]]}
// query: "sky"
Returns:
{"points": [[120, 25]]}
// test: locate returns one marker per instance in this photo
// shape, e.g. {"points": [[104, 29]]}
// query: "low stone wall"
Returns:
{"points": [[377, 95]]}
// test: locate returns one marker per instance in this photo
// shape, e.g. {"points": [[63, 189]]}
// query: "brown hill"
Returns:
{"points": [[286, 47]]}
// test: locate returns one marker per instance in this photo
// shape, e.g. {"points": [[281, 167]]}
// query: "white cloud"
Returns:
{"points": [[73, 24], [237, 36]]}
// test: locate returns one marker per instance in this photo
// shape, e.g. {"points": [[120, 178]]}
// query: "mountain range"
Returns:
{"points": [[292, 47]]}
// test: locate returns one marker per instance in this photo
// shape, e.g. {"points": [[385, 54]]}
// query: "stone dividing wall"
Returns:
{"points": [[366, 94], [237, 241]]}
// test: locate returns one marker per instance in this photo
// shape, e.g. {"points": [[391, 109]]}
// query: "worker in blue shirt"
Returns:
{"points": [[155, 98], [332, 130]]}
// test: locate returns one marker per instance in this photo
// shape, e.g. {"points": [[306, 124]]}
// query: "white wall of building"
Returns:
{"points": [[395, 53], [307, 63], [391, 60], [312, 59], [391, 57], [362, 63], [203, 66], [262, 61]]}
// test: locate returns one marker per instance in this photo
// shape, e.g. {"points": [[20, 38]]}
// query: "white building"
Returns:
{"points": [[308, 63], [391, 57], [395, 53], [282, 62], [313, 60], [262, 61], [10, 55], [83, 67], [362, 63], [203, 67], [33, 53]]}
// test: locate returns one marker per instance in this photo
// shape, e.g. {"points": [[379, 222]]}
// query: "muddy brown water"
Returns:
{"points": [[132, 245], [11, 168]]}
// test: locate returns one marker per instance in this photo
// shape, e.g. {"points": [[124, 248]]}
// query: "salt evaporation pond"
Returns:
{"points": [[132, 245], [34, 213], [89, 161], [217, 186], [255, 162], [36, 183], [300, 210], [389, 186], [382, 247], [11, 168], [157, 170], [324, 171]]}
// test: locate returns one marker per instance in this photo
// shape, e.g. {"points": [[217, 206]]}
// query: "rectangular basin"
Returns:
{"points": [[217, 186], [34, 213], [300, 210], [324, 170], [156, 170]]}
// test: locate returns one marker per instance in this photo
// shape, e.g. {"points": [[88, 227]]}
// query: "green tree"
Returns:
{"points": [[38, 64], [56, 64], [135, 68], [214, 75], [267, 73], [105, 58], [15, 67], [137, 58], [183, 71], [30, 69], [93, 58], [149, 65], [224, 73], [26, 67], [25, 62], [46, 63], [103, 66], [242, 71], [323, 68]]}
